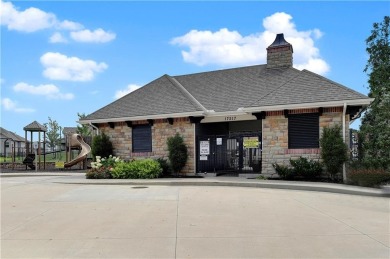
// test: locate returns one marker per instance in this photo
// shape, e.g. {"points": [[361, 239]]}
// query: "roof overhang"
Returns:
{"points": [[145, 117], [363, 102]]}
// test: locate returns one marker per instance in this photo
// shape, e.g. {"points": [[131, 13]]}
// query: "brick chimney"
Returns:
{"points": [[280, 53]]}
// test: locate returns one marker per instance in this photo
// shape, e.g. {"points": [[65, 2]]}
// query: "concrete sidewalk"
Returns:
{"points": [[79, 178]]}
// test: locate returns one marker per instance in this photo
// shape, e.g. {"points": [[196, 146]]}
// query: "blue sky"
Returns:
{"points": [[61, 58]]}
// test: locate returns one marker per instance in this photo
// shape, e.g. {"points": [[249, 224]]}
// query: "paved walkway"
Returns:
{"points": [[59, 216]]}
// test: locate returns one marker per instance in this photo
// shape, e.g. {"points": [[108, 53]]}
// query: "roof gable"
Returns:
{"points": [[161, 96]]}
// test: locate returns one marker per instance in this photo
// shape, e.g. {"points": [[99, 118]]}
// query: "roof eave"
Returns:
{"points": [[362, 102], [144, 117]]}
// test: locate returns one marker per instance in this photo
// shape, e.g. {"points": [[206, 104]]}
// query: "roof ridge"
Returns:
{"points": [[280, 86], [333, 82], [219, 70], [185, 92]]}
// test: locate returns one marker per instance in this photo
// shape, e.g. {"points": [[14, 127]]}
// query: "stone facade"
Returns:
{"points": [[275, 137], [279, 56], [121, 139]]}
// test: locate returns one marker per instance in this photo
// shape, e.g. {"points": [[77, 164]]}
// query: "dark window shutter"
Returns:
{"points": [[142, 138], [303, 130]]}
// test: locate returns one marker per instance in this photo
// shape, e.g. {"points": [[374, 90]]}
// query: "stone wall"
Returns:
{"points": [[275, 137], [121, 139]]}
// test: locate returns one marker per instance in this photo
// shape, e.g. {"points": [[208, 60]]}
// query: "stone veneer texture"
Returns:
{"points": [[121, 139]]}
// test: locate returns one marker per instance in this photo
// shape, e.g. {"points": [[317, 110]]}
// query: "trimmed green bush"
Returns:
{"points": [[166, 169], [137, 169], [333, 151], [368, 177], [284, 171], [101, 146], [307, 169], [178, 153]]}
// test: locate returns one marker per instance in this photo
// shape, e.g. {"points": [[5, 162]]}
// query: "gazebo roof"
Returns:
{"points": [[35, 127]]}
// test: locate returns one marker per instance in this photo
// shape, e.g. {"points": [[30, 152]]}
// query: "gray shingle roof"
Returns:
{"points": [[160, 96], [10, 135], [69, 130], [35, 126], [226, 90]]}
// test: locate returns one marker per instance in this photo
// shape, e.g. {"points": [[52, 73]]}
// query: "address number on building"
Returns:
{"points": [[230, 118]]}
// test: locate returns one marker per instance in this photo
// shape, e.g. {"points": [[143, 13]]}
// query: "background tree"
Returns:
{"points": [[53, 134], [375, 128], [83, 129]]}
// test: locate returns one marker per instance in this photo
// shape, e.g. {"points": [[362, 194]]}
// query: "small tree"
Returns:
{"points": [[333, 150], [101, 146], [178, 153], [53, 134], [83, 130]]}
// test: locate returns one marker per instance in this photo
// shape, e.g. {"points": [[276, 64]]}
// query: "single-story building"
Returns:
{"points": [[11, 143], [238, 120]]}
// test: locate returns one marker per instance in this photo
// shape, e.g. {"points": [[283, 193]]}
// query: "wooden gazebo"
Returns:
{"points": [[39, 128]]}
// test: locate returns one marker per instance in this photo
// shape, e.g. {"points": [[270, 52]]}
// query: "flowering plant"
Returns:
{"points": [[102, 167]]}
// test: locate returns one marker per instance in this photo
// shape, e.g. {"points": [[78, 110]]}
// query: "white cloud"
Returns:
{"points": [[49, 91], [228, 48], [69, 25], [30, 20], [130, 88], [57, 38], [10, 105], [96, 36], [60, 67], [33, 19]]}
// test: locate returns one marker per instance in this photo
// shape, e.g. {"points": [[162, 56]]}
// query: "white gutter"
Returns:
{"points": [[344, 137], [365, 101], [94, 127]]}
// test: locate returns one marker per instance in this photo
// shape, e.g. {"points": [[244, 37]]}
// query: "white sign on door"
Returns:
{"points": [[204, 148], [219, 141]]}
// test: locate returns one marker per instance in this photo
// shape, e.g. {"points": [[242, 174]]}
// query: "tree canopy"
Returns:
{"points": [[82, 129], [53, 133], [375, 128]]}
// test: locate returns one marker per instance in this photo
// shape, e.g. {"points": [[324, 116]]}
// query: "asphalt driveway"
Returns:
{"points": [[41, 218]]}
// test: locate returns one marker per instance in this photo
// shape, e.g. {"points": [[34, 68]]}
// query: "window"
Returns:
{"points": [[303, 130], [142, 138]]}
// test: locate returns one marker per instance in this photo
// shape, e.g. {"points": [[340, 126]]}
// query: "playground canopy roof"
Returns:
{"points": [[35, 127], [69, 130], [6, 134]]}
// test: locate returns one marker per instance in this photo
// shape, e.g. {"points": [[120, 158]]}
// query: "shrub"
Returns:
{"points": [[284, 171], [101, 146], [307, 169], [100, 173], [368, 177], [166, 169], [333, 150], [137, 169], [101, 169], [178, 153]]}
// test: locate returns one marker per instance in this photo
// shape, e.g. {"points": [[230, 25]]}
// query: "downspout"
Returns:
{"points": [[94, 127], [344, 137]]}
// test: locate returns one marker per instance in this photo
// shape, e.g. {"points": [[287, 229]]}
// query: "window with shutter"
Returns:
{"points": [[303, 130], [142, 138]]}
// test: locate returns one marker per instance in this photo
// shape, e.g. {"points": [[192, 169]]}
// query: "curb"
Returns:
{"points": [[223, 182]]}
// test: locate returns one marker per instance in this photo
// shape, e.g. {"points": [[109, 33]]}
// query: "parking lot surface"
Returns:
{"points": [[43, 218]]}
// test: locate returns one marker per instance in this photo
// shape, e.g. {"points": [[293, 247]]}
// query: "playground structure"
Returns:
{"points": [[30, 154], [75, 141]]}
